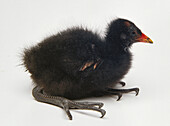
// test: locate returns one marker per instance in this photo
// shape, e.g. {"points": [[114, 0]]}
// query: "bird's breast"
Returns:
{"points": [[110, 71]]}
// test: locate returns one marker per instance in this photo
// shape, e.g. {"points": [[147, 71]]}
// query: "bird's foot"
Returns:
{"points": [[66, 104], [119, 92], [95, 106]]}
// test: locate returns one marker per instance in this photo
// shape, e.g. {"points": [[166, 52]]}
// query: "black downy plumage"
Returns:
{"points": [[78, 63]]}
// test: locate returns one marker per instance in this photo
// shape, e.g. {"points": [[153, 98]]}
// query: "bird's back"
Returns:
{"points": [[68, 46]]}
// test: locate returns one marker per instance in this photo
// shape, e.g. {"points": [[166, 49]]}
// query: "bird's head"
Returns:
{"points": [[125, 33]]}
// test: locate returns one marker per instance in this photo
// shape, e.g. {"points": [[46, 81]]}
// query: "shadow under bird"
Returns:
{"points": [[77, 63]]}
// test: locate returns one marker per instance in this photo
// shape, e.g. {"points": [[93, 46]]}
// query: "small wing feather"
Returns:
{"points": [[93, 64]]}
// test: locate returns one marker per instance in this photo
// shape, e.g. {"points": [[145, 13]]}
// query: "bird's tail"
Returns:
{"points": [[28, 58]]}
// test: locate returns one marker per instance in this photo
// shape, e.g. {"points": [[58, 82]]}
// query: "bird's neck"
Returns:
{"points": [[114, 47], [114, 44]]}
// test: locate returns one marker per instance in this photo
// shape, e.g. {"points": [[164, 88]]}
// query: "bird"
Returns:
{"points": [[77, 63]]}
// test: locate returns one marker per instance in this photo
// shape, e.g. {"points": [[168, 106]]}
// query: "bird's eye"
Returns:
{"points": [[133, 33]]}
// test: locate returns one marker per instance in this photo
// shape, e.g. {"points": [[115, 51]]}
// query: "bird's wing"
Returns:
{"points": [[80, 57], [78, 67], [91, 64]]}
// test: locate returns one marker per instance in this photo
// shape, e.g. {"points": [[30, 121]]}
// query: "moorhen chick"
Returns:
{"points": [[77, 63]]}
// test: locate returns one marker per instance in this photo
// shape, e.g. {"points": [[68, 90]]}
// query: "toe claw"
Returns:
{"points": [[122, 83], [119, 96], [137, 91], [103, 112]]}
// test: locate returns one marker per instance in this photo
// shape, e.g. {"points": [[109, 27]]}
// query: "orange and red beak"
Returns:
{"points": [[144, 38]]}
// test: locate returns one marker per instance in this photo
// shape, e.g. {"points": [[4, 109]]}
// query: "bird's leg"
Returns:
{"points": [[66, 104], [122, 83], [119, 92]]}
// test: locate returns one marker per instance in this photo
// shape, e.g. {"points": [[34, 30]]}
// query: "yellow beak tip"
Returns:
{"points": [[150, 41]]}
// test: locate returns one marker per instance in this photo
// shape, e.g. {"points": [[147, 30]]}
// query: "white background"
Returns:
{"points": [[26, 22]]}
